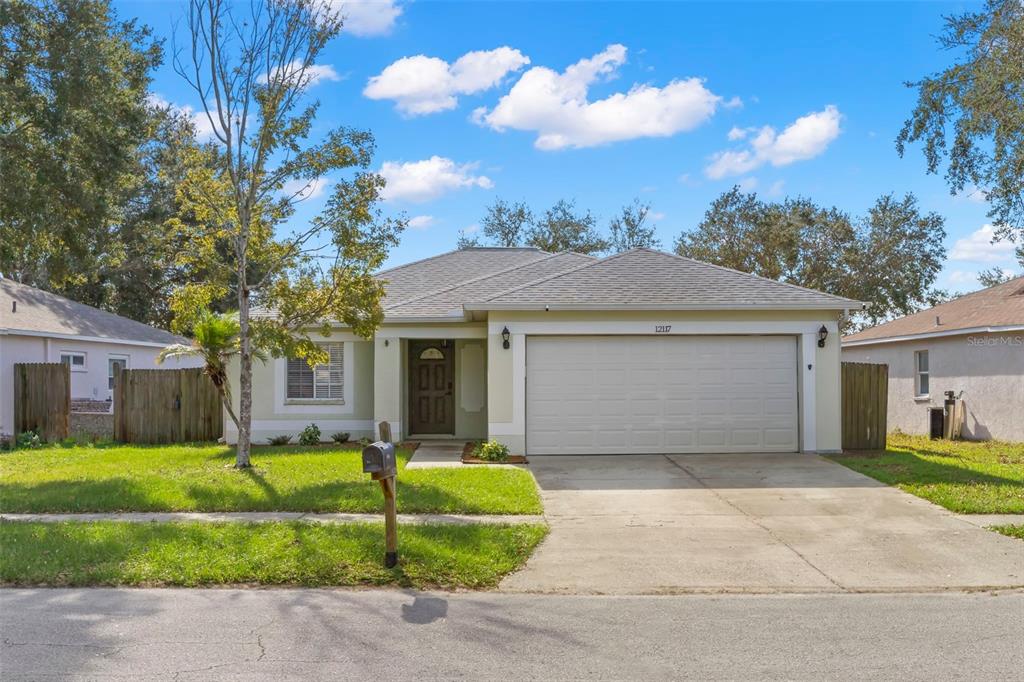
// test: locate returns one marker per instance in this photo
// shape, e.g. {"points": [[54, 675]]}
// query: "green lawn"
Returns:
{"points": [[965, 477], [1012, 531], [195, 554], [200, 478]]}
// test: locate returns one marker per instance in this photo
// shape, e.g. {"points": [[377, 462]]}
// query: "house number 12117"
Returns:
{"points": [[662, 328]]}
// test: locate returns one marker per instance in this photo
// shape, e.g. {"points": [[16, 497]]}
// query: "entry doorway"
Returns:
{"points": [[431, 378]]}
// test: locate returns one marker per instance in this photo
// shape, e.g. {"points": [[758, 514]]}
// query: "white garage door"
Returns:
{"points": [[660, 394]]}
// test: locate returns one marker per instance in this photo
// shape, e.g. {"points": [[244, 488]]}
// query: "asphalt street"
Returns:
{"points": [[284, 634]]}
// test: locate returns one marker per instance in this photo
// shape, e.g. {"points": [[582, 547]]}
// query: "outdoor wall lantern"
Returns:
{"points": [[822, 335], [505, 334]]}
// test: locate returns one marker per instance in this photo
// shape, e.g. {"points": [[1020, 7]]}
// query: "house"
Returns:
{"points": [[564, 353], [972, 345], [38, 326]]}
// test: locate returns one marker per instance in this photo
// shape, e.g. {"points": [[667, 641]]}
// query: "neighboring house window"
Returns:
{"points": [[76, 361], [323, 382], [114, 363], [921, 370]]}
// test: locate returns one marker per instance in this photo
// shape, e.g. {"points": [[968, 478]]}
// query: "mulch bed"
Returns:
{"points": [[468, 458]]}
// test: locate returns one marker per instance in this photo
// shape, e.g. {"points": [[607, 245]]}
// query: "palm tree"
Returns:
{"points": [[215, 340]]}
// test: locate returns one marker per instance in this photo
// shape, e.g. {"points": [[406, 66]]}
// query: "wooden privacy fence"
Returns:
{"points": [[42, 399], [166, 406], [865, 404]]}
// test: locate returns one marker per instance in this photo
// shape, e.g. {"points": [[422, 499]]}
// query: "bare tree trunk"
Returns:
{"points": [[245, 375]]}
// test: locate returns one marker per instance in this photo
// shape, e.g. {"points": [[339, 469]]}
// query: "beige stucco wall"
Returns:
{"points": [[988, 368], [820, 423], [86, 382]]}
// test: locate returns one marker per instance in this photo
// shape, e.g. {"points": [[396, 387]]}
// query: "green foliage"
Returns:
{"points": [[971, 114], [889, 258], [340, 437], [109, 478], [28, 440], [273, 553], [310, 435], [505, 224], [491, 451], [1014, 531], [629, 229], [993, 276], [74, 128], [283, 439], [562, 228]]}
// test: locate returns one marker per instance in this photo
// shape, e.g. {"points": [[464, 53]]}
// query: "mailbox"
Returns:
{"points": [[379, 458]]}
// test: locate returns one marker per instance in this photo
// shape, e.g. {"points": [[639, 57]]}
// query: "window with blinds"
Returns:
{"points": [[323, 382]]}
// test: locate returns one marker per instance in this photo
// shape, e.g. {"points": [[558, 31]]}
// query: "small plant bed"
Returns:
{"points": [[200, 477], [281, 553], [486, 452], [1016, 531], [962, 476]]}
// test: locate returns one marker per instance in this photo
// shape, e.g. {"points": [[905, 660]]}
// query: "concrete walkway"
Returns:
{"points": [[264, 517], [749, 523], [444, 454], [988, 520]]}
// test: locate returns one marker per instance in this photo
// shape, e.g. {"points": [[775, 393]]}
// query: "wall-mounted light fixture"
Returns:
{"points": [[822, 335], [505, 334]]}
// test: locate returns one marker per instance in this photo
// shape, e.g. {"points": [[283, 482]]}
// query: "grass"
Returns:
{"points": [[203, 554], [200, 477], [965, 477], [1012, 531]]}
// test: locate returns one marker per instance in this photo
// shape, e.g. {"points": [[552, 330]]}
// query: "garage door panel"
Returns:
{"points": [[661, 394]]}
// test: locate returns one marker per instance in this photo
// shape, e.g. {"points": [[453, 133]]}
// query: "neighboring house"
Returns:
{"points": [[563, 353], [37, 326], [973, 344]]}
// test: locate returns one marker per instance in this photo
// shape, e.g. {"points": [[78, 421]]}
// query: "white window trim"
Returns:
{"points": [[917, 375], [117, 356], [84, 367], [285, 405]]}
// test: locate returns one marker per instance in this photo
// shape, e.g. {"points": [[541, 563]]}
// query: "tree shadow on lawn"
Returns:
{"points": [[910, 468]]}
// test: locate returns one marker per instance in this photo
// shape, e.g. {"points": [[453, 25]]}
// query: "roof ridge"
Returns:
{"points": [[749, 274], [547, 257], [416, 262], [598, 261]]}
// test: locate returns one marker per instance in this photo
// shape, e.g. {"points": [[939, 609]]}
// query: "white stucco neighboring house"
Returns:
{"points": [[972, 345], [38, 326], [563, 353]]}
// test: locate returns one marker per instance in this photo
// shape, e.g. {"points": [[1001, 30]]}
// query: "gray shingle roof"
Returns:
{"points": [[42, 312], [437, 273], [449, 301], [645, 277]]}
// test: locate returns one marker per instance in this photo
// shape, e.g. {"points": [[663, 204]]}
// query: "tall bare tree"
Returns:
{"points": [[251, 66], [630, 230]]}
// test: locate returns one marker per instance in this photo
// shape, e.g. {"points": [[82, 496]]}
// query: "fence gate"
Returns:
{"points": [[166, 406], [42, 399], [865, 405]]}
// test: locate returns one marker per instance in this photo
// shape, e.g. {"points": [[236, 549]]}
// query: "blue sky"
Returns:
{"points": [[669, 102]]}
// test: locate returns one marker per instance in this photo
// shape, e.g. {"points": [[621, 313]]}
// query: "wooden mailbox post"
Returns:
{"points": [[379, 461]]}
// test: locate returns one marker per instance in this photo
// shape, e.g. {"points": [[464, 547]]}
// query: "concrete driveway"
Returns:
{"points": [[649, 524]]}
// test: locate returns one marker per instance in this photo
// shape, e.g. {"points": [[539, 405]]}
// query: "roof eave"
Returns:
{"points": [[838, 306], [933, 334]]}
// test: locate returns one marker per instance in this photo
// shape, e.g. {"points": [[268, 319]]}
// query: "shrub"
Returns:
{"points": [[29, 440], [340, 436], [491, 451], [310, 435], [364, 441], [280, 440]]}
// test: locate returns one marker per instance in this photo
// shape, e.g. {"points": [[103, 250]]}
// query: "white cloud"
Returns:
{"points": [[306, 189], [421, 222], [776, 187], [368, 17], [419, 181], [556, 107], [200, 121], [748, 184], [472, 229], [656, 216], [974, 194], [425, 85], [314, 73], [737, 133], [979, 247], [963, 277], [805, 138]]}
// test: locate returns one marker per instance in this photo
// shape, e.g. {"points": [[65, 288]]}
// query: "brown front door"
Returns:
{"points": [[431, 373]]}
